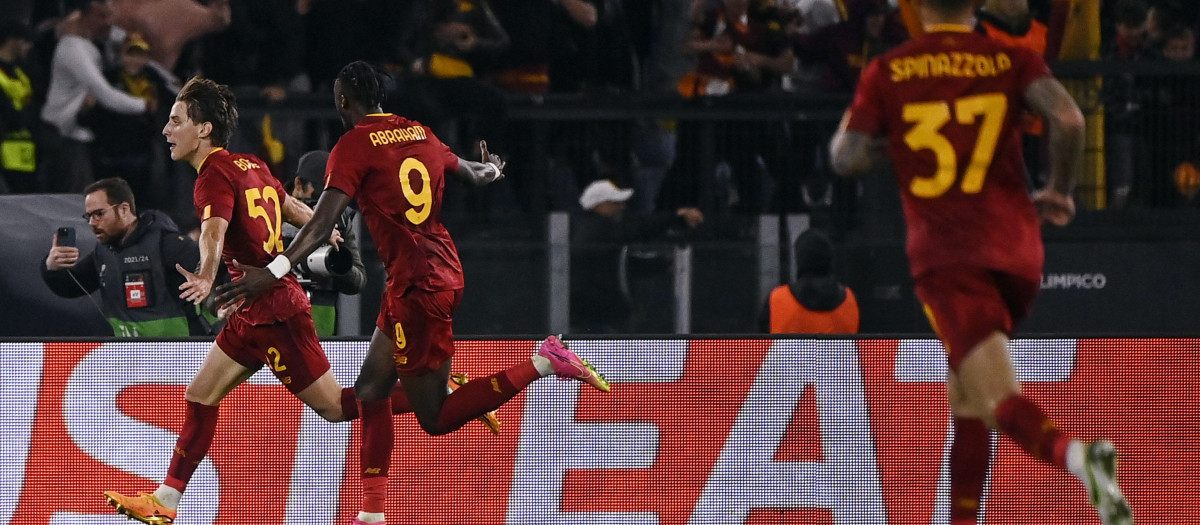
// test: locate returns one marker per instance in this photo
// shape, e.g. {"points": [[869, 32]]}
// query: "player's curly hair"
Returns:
{"points": [[208, 101], [364, 83]]}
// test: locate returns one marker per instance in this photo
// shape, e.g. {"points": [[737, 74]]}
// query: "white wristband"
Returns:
{"points": [[495, 171], [280, 266]]}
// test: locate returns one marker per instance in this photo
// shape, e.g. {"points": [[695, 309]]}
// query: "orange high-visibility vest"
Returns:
{"points": [[1034, 39], [788, 316]]}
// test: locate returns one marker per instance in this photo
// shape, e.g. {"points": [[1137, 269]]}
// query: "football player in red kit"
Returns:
{"points": [[241, 206], [944, 108], [396, 170]]}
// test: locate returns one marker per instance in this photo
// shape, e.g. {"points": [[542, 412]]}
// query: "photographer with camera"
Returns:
{"points": [[326, 272], [133, 265]]}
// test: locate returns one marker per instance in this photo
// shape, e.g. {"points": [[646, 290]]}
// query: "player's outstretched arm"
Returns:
{"points": [[314, 233], [1066, 135], [491, 169], [196, 286], [853, 153]]}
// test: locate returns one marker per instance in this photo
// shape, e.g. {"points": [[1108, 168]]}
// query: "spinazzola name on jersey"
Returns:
{"points": [[954, 64]]}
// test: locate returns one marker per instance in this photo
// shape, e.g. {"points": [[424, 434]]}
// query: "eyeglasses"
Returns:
{"points": [[97, 214]]}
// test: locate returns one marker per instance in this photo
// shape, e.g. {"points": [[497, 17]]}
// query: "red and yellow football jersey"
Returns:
{"points": [[949, 104], [395, 168], [240, 189]]}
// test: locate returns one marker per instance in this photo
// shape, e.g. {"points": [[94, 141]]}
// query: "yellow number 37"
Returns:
{"points": [[928, 118]]}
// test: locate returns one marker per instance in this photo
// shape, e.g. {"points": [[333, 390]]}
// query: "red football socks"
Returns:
{"points": [[969, 454], [480, 396], [1026, 424], [377, 438], [199, 426], [400, 404]]}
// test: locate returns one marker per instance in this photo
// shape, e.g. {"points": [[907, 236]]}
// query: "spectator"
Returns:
{"points": [[131, 146], [814, 302], [738, 49], [813, 15], [543, 53], [465, 41], [600, 300], [339, 271], [1123, 104], [170, 25], [844, 48], [1176, 108], [18, 154], [134, 265], [1010, 22], [744, 51], [77, 80]]}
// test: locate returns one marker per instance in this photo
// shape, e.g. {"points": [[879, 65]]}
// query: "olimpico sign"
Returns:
{"points": [[694, 432]]}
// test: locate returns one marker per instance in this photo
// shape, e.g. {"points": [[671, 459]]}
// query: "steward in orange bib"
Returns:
{"points": [[815, 302]]}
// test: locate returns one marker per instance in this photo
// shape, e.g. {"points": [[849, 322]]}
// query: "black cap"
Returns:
{"points": [[311, 167]]}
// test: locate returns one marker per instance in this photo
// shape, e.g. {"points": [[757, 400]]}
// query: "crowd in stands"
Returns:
{"points": [[88, 82]]}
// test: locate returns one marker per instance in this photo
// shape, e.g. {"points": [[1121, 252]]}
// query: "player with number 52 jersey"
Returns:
{"points": [[241, 190], [242, 207]]}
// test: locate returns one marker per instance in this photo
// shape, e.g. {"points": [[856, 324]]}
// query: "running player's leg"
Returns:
{"points": [[335, 403], [218, 375], [983, 309], [970, 454], [375, 382], [298, 358]]}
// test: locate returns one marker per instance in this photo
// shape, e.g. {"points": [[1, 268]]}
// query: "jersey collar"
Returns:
{"points": [[201, 166], [948, 28]]}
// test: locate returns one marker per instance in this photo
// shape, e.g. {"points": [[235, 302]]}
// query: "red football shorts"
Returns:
{"points": [[290, 348], [419, 322], [966, 305]]}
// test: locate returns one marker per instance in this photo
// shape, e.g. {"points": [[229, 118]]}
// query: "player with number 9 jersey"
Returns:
{"points": [[240, 189], [949, 104], [395, 168]]}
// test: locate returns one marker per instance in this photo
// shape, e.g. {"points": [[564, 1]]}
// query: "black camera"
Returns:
{"points": [[327, 262]]}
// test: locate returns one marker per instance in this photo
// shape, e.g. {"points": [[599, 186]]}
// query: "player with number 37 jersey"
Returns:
{"points": [[396, 168], [948, 106], [944, 109], [240, 189]]}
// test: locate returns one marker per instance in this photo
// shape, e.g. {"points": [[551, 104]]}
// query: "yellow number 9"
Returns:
{"points": [[421, 201]]}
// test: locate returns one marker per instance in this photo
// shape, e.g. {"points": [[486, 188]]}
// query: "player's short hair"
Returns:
{"points": [[364, 83], [117, 190], [950, 5], [208, 101]]}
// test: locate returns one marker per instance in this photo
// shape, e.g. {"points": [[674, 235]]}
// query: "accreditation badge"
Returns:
{"points": [[135, 291]]}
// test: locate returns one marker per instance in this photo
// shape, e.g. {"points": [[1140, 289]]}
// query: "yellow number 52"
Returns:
{"points": [[928, 118], [269, 197]]}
